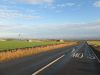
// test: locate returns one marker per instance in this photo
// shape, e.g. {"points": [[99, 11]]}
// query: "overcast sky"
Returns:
{"points": [[68, 19]]}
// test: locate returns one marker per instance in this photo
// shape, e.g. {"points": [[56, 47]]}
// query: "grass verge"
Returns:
{"points": [[95, 45], [6, 56]]}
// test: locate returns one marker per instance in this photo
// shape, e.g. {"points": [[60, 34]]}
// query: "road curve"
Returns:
{"points": [[76, 60]]}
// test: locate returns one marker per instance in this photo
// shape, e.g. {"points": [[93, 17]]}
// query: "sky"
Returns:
{"points": [[50, 19]]}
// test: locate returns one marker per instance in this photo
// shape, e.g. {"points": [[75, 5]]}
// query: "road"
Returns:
{"points": [[76, 60]]}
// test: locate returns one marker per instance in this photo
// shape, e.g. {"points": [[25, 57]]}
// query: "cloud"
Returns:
{"points": [[34, 1], [8, 13], [58, 7], [8, 35], [11, 14], [66, 5], [70, 4], [97, 3], [66, 31]]}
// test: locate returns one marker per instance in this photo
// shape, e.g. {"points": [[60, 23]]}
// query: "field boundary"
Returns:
{"points": [[9, 55]]}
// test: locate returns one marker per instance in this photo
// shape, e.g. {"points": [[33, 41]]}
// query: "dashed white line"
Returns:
{"points": [[73, 50], [38, 71]]}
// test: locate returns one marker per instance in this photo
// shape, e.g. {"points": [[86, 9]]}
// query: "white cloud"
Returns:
{"points": [[97, 3], [9, 35], [90, 30], [61, 5], [65, 5], [70, 4], [7, 14], [35, 1]]}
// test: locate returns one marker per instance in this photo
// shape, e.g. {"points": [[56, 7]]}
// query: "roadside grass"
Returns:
{"points": [[10, 55], [95, 45]]}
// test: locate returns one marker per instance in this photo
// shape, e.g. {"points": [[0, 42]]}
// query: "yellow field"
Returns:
{"points": [[94, 43]]}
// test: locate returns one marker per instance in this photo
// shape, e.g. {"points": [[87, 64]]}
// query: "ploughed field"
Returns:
{"points": [[11, 45]]}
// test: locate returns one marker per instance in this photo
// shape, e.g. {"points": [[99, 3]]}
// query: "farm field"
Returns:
{"points": [[19, 53], [94, 42], [7, 45]]}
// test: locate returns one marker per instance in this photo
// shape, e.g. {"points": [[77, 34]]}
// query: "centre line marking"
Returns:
{"points": [[38, 71]]}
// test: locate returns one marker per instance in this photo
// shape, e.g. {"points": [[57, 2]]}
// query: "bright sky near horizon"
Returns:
{"points": [[68, 19]]}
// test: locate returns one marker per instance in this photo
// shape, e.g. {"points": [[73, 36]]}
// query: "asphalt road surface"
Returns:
{"points": [[76, 60]]}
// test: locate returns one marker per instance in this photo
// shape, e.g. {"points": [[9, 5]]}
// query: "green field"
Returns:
{"points": [[7, 45]]}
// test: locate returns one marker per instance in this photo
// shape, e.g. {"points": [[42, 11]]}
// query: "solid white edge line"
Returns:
{"points": [[95, 54], [38, 71]]}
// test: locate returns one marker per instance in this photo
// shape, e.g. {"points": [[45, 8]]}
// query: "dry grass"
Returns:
{"points": [[6, 56], [94, 43]]}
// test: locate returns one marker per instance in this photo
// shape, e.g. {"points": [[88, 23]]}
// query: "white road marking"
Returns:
{"points": [[73, 50], [77, 55], [94, 54], [81, 56], [38, 71], [73, 55], [92, 57]]}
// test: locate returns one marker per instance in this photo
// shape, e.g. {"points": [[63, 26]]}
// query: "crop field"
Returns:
{"points": [[94, 42], [7, 45], [43, 47]]}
